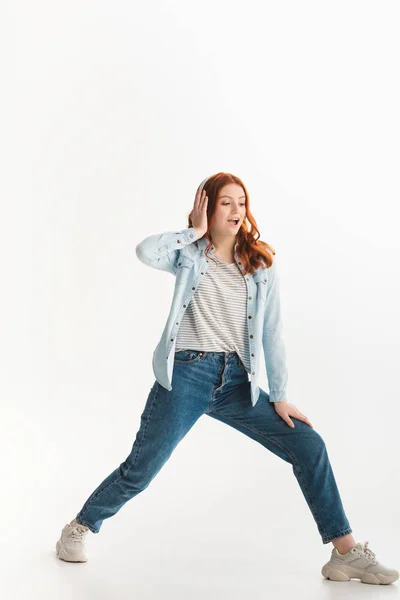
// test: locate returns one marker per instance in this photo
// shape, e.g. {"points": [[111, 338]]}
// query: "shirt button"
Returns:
{"points": [[171, 340], [193, 288], [253, 373], [191, 235], [177, 323], [249, 316], [202, 273], [252, 354], [179, 241], [184, 306], [250, 297], [251, 336]]}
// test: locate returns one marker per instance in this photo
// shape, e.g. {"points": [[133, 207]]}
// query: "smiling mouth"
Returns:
{"points": [[235, 221]]}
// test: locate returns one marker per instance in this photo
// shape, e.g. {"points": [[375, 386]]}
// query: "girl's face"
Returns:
{"points": [[231, 203]]}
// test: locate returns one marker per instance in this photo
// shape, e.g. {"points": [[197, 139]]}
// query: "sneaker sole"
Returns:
{"points": [[63, 554], [345, 573]]}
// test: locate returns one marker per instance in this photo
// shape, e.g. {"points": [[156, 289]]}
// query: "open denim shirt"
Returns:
{"points": [[182, 254]]}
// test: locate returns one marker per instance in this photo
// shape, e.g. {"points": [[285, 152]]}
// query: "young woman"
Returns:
{"points": [[225, 311]]}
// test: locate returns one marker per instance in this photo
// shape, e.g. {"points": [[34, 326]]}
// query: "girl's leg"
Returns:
{"points": [[300, 446], [344, 544], [167, 417]]}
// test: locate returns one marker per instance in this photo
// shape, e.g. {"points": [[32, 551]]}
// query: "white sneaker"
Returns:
{"points": [[359, 563], [71, 545]]}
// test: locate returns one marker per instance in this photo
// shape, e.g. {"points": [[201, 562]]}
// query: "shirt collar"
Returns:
{"points": [[203, 242]]}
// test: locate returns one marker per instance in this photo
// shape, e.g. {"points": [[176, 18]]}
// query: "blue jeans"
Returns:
{"points": [[216, 384]]}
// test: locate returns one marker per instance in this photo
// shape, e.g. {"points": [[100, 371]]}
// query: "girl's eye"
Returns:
{"points": [[226, 203]]}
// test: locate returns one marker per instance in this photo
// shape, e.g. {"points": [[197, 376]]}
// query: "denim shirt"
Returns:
{"points": [[181, 253]]}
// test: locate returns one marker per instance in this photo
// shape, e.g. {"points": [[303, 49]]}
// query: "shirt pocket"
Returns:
{"points": [[183, 268], [184, 262], [261, 280]]}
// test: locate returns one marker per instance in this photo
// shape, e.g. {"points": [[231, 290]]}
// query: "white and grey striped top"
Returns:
{"points": [[216, 319]]}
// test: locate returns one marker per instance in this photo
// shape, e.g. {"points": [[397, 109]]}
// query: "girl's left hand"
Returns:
{"points": [[287, 410]]}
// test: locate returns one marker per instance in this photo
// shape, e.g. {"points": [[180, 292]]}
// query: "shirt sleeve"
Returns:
{"points": [[161, 250]]}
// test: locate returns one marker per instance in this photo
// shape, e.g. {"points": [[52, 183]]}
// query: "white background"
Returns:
{"points": [[112, 114]]}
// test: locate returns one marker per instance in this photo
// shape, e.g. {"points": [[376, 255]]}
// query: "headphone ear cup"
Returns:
{"points": [[203, 182]]}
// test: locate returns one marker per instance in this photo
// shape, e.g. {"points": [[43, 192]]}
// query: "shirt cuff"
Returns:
{"points": [[277, 396]]}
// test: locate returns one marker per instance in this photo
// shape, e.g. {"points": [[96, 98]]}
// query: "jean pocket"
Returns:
{"points": [[188, 356]]}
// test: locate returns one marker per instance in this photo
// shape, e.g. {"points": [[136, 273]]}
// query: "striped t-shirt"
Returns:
{"points": [[216, 317]]}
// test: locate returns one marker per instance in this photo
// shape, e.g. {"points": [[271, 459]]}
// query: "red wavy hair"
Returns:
{"points": [[252, 251]]}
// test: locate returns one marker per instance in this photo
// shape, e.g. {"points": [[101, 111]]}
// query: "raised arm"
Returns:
{"points": [[161, 250]]}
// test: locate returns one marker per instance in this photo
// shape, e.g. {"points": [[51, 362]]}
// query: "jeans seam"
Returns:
{"points": [[136, 455], [220, 380], [295, 463], [81, 522]]}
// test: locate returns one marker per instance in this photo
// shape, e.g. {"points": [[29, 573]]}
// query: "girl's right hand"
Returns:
{"points": [[198, 214]]}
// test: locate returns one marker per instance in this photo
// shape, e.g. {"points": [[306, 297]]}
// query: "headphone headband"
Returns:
{"points": [[204, 182]]}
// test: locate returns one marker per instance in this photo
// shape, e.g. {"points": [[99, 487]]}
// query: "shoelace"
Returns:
{"points": [[77, 533], [368, 552]]}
